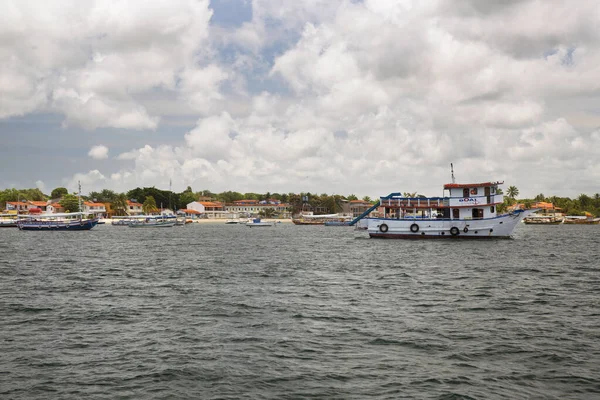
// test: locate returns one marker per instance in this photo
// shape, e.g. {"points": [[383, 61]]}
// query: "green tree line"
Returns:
{"points": [[577, 206], [152, 198], [318, 203]]}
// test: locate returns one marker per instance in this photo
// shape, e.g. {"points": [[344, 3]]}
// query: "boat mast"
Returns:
{"points": [[170, 196], [452, 171], [79, 198]]}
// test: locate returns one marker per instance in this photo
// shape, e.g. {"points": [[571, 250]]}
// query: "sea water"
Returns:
{"points": [[291, 312]]}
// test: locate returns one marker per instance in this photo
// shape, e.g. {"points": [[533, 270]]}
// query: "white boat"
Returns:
{"points": [[8, 220], [587, 219], [152, 221], [258, 222], [467, 211], [322, 219]]}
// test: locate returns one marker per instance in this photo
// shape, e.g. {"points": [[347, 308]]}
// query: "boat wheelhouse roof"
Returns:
{"points": [[470, 185]]}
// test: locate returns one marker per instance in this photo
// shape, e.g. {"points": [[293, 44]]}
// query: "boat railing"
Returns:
{"points": [[418, 202], [434, 202]]}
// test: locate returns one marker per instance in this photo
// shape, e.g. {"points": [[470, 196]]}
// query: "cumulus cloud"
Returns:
{"points": [[99, 152], [90, 180], [98, 77]]}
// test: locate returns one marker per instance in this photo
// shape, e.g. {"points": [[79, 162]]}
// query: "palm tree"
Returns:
{"points": [[512, 192], [119, 205], [149, 205], [267, 213]]}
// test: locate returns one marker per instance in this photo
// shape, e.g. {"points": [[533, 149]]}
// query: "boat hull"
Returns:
{"points": [[498, 227], [159, 225], [298, 222], [8, 224], [543, 223], [57, 226]]}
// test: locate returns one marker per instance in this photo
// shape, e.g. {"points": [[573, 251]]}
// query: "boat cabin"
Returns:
{"points": [[459, 202]]}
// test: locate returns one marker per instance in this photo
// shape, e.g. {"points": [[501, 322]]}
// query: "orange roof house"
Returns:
{"points": [[545, 206]]}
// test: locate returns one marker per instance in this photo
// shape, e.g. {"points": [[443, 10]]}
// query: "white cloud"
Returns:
{"points": [[89, 181], [99, 152], [97, 77]]}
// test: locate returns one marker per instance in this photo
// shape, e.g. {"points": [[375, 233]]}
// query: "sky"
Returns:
{"points": [[321, 96]]}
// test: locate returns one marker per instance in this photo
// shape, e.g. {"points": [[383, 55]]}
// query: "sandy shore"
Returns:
{"points": [[222, 220]]}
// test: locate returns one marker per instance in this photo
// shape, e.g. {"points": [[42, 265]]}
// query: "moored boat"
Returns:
{"points": [[152, 222], [323, 219], [57, 222], [547, 214], [543, 219], [466, 211], [258, 222], [8, 220], [587, 219]]}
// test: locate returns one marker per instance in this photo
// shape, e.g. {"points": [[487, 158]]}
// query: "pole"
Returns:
{"points": [[79, 198]]}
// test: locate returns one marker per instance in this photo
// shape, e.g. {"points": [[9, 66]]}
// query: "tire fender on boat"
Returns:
{"points": [[414, 228], [454, 231], [383, 228]]}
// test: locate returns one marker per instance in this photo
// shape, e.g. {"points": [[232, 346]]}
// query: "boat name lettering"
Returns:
{"points": [[468, 200]]}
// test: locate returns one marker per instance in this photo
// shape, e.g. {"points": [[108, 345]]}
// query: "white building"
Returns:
{"points": [[93, 208]]}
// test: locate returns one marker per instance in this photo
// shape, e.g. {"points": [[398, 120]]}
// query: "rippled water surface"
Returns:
{"points": [[231, 312]]}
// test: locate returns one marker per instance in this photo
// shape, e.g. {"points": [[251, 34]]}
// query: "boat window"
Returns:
{"points": [[465, 192], [474, 191], [477, 213], [492, 209], [455, 213]]}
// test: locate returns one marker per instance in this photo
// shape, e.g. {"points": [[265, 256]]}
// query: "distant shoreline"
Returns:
{"points": [[220, 220]]}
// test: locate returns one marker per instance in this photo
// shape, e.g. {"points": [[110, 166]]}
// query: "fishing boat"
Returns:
{"points": [[75, 221], [547, 214], [587, 219], [152, 221], [8, 220], [323, 219], [466, 210], [57, 222], [337, 223], [258, 222], [543, 219]]}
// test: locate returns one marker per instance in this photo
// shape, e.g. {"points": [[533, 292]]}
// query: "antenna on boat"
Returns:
{"points": [[452, 171]]}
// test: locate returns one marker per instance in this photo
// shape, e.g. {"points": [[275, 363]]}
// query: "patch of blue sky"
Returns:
{"points": [[549, 53], [566, 60], [38, 147], [231, 13], [256, 73]]}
